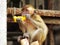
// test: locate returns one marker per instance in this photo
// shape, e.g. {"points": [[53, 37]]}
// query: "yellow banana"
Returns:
{"points": [[19, 17]]}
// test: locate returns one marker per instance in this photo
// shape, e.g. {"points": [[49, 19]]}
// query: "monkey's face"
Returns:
{"points": [[28, 10]]}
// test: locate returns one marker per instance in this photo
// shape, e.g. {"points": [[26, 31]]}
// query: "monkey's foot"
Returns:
{"points": [[19, 38], [26, 35]]}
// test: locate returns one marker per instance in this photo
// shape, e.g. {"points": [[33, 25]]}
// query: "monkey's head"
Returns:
{"points": [[29, 9]]}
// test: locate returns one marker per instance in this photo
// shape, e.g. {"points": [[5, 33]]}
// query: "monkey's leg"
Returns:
{"points": [[38, 36]]}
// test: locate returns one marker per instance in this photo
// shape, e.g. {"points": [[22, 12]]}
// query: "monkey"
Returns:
{"points": [[33, 26]]}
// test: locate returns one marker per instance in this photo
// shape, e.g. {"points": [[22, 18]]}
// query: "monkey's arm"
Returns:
{"points": [[38, 21], [21, 25]]}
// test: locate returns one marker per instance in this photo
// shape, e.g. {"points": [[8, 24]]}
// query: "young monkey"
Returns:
{"points": [[33, 26]]}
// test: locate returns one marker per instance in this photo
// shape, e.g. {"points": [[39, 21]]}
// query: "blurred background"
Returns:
{"points": [[39, 4], [53, 23]]}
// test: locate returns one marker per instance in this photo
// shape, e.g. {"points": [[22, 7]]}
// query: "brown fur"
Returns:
{"points": [[30, 28]]}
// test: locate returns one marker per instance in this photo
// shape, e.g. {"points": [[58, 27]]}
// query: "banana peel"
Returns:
{"points": [[23, 18]]}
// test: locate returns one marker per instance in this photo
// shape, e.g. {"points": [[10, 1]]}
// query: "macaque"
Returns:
{"points": [[34, 26]]}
